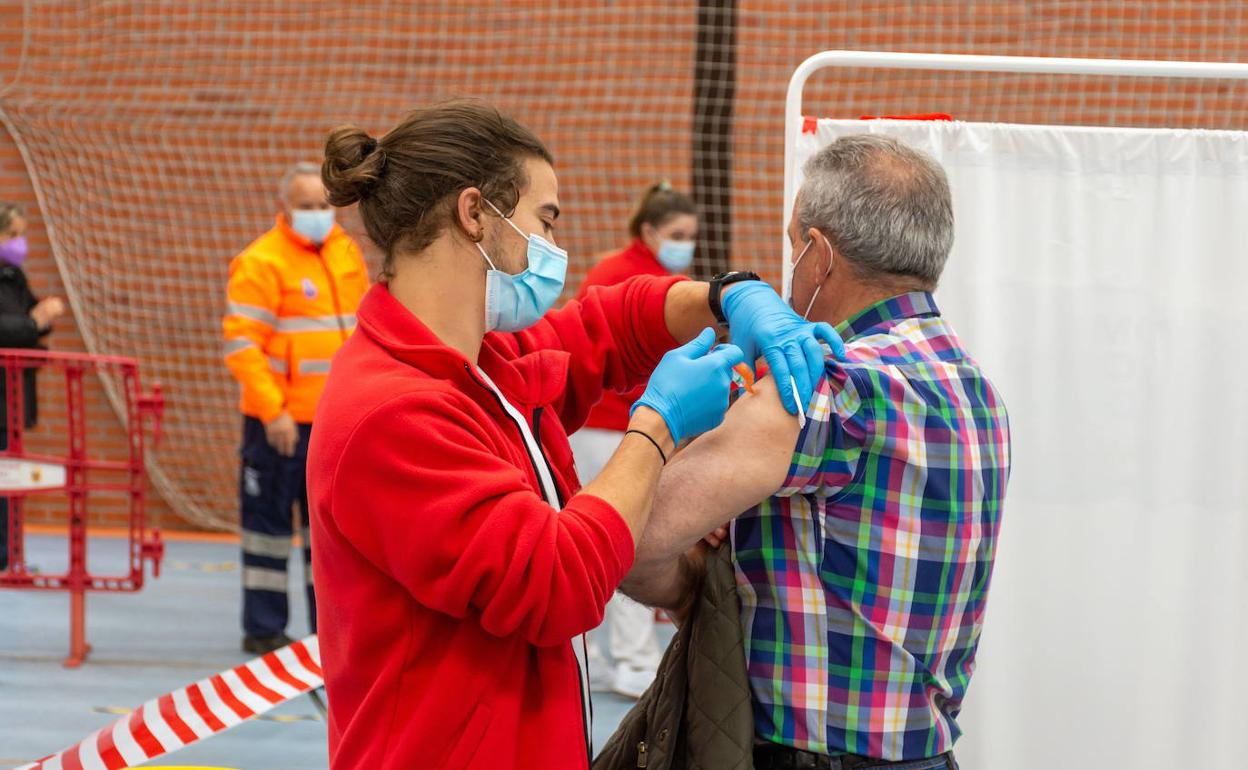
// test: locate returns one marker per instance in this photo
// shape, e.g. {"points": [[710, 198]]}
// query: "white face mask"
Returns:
{"points": [[313, 224], [675, 256], [793, 278], [515, 302]]}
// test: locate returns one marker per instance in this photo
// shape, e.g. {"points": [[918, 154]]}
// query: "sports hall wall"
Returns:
{"points": [[145, 140]]}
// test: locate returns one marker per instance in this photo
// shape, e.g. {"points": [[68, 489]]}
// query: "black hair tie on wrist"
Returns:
{"points": [[649, 438]]}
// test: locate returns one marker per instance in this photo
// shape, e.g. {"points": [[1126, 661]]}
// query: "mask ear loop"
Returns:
{"points": [[488, 261], [505, 219], [477, 243], [813, 297]]}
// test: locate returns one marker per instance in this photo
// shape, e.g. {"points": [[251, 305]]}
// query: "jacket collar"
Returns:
{"points": [[532, 379], [639, 250], [915, 304]]}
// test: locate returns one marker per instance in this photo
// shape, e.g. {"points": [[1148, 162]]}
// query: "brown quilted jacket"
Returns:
{"points": [[696, 715]]}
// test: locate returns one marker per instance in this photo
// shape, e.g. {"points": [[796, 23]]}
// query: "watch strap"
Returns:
{"points": [[715, 296]]}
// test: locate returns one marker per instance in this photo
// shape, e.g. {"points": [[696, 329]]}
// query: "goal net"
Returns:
{"points": [[151, 133]]}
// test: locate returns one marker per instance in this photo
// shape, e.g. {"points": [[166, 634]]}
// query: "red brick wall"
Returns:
{"points": [[158, 130], [777, 36], [106, 437]]}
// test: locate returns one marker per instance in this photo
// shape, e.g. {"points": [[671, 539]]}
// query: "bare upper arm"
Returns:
{"points": [[721, 474]]}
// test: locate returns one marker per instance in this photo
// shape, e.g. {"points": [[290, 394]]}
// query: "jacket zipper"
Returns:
{"points": [[537, 435], [537, 420], [537, 473], [642, 761]]}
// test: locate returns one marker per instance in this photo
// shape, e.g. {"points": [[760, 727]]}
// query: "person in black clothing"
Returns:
{"points": [[24, 322]]}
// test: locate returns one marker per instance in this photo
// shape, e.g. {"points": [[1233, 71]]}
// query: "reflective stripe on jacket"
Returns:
{"points": [[290, 307]]}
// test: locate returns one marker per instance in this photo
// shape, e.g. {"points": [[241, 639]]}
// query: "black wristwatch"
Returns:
{"points": [[717, 287]]}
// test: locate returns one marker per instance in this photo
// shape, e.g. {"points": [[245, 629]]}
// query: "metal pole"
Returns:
{"points": [[15, 426], [76, 488]]}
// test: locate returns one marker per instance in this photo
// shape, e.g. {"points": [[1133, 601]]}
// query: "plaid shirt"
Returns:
{"points": [[863, 581]]}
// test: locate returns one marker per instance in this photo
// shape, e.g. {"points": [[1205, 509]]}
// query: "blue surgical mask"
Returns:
{"points": [[515, 302], [313, 225], [675, 256]]}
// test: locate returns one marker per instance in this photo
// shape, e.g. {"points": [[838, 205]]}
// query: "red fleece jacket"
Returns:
{"points": [[448, 591], [611, 413]]}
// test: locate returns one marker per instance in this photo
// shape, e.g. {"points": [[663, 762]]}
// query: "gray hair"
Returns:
{"points": [[884, 205], [302, 168]]}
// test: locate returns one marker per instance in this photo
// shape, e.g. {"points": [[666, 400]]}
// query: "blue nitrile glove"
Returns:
{"points": [[689, 388], [763, 324]]}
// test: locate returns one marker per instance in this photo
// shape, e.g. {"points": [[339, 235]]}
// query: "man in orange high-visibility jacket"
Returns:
{"points": [[292, 296]]}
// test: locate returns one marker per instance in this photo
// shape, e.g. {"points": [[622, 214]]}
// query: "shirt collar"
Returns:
{"points": [[639, 250], [915, 304]]}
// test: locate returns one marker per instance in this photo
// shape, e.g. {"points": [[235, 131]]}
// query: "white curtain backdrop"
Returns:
{"points": [[1099, 275]]}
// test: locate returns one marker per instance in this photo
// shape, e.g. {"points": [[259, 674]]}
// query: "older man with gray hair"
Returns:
{"points": [[864, 570], [292, 297]]}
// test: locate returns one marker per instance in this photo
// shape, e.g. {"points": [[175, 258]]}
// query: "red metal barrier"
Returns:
{"points": [[75, 474]]}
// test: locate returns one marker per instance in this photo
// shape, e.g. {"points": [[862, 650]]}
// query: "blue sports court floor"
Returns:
{"points": [[180, 628]]}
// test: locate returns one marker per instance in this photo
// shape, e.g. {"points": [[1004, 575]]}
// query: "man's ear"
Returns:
{"points": [[469, 214], [814, 234], [824, 252]]}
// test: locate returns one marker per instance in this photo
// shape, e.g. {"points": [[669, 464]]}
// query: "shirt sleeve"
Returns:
{"points": [[426, 494], [615, 335], [18, 331], [829, 448]]}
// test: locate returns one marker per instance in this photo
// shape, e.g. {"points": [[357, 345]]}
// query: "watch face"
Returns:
{"points": [[737, 275]]}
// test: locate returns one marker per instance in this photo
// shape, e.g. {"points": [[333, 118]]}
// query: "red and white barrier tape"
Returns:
{"points": [[196, 711]]}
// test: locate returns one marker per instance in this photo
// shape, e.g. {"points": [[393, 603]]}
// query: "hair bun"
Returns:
{"points": [[353, 165]]}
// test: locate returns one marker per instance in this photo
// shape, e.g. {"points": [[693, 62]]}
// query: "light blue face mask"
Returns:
{"points": [[313, 225], [675, 256], [515, 302]]}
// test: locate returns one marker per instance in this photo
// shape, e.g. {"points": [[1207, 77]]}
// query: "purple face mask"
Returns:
{"points": [[13, 251]]}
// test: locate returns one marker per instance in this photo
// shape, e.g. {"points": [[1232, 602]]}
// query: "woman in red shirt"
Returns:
{"points": [[664, 231], [458, 562]]}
